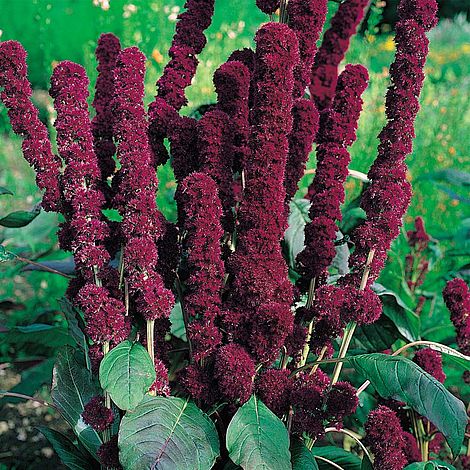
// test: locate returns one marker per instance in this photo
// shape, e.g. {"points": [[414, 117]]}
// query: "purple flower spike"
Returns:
{"points": [[332, 50], [102, 124], [200, 213], [306, 18], [142, 222], [16, 97]]}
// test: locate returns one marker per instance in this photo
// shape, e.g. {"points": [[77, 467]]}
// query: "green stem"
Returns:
{"points": [[306, 348], [351, 327], [107, 398], [150, 344]]}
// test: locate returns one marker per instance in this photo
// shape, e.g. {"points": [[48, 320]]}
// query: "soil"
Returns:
{"points": [[22, 446]]}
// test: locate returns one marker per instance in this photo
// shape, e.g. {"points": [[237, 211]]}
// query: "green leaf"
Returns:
{"points": [[69, 454], [346, 460], [401, 379], [5, 191], [366, 463], [72, 389], [378, 336], [52, 336], [5, 255], [294, 236], [19, 219], [74, 319], [112, 214], [432, 465], [257, 438], [401, 315], [168, 434], [127, 373], [177, 322], [302, 458]]}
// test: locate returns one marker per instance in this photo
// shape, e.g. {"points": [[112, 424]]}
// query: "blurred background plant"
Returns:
{"points": [[32, 329]]}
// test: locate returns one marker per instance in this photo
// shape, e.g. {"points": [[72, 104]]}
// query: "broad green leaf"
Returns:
{"points": [[366, 463], [19, 219], [4, 191], [378, 336], [31, 380], [294, 236], [72, 389], [432, 465], [167, 434], [346, 460], [177, 323], [52, 336], [401, 379], [127, 373], [257, 438], [72, 315], [69, 454], [401, 315], [302, 458]]}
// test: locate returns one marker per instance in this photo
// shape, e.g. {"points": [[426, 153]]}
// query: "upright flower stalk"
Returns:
{"points": [[232, 84], [335, 43], [135, 198], [83, 201], [16, 97], [188, 41], [261, 291], [386, 199], [337, 131], [200, 214], [102, 124], [306, 19]]}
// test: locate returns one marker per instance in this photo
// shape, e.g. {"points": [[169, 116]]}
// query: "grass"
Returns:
{"points": [[68, 30]]}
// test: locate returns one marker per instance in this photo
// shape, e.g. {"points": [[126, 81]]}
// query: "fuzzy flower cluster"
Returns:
{"points": [[417, 265], [247, 57], [216, 158], [16, 96], [108, 454], [188, 41], [268, 6], [332, 50], [301, 138], [386, 199], [183, 139], [306, 19], [334, 307], [337, 131], [431, 362], [384, 436], [316, 403], [141, 225], [258, 269], [102, 124], [83, 201], [200, 214], [96, 415], [232, 84], [456, 296]]}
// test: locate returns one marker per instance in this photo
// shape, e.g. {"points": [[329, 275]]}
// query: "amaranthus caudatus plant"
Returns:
{"points": [[254, 378]]}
